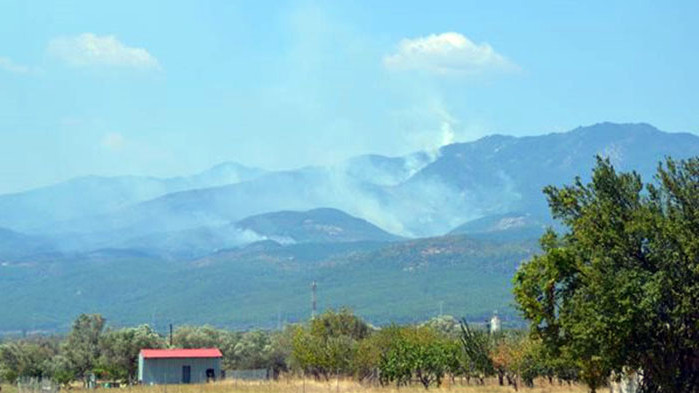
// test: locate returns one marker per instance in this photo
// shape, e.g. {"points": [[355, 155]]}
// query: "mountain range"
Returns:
{"points": [[374, 231]]}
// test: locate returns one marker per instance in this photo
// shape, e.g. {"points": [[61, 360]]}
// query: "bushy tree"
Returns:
{"points": [[328, 345], [61, 370], [27, 358], [253, 350], [120, 349], [416, 352], [82, 346], [281, 349], [621, 287], [190, 337], [209, 337], [339, 323], [322, 356]]}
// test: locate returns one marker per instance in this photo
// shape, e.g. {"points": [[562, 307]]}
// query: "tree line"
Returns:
{"points": [[112, 354], [331, 345]]}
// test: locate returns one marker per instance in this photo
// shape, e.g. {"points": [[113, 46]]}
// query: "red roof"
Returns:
{"points": [[181, 353]]}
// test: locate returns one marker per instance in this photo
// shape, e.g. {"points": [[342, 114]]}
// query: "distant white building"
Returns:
{"points": [[179, 366], [495, 324]]}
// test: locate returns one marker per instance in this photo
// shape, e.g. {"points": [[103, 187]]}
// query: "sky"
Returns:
{"points": [[166, 88]]}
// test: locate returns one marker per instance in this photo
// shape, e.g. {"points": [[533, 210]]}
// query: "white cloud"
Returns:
{"points": [[113, 141], [447, 53], [8, 65], [92, 50]]}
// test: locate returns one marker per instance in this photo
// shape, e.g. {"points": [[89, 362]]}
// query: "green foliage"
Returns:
{"points": [[281, 350], [322, 357], [198, 337], [338, 324], [333, 344], [473, 277], [82, 346], [621, 287], [416, 352], [253, 350], [120, 349], [477, 346], [329, 344], [27, 358], [209, 337], [61, 370]]}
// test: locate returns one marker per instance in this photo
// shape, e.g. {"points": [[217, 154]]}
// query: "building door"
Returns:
{"points": [[186, 374]]}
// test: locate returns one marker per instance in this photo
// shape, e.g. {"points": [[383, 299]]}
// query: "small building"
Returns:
{"points": [[178, 366]]}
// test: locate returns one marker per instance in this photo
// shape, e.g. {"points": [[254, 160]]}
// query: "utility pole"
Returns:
{"points": [[314, 286], [279, 318], [170, 335]]}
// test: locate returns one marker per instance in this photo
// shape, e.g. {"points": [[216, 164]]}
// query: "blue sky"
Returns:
{"points": [[169, 88]]}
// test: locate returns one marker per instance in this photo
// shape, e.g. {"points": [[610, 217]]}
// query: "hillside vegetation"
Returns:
{"points": [[259, 284]]}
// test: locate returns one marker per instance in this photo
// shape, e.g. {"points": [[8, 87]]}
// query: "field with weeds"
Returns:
{"points": [[8, 388], [333, 386]]}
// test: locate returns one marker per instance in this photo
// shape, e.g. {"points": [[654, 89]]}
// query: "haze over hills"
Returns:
{"points": [[423, 227], [38, 210], [503, 227], [321, 225], [17, 246], [412, 196]]}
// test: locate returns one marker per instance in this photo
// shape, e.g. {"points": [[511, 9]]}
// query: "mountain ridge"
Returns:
{"points": [[417, 195]]}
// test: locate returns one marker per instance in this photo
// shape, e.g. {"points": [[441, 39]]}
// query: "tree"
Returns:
{"points": [[281, 348], [323, 356], [27, 358], [477, 345], [340, 323], [82, 346], [197, 337], [253, 350], [329, 344], [120, 349], [209, 337], [621, 287], [415, 352]]}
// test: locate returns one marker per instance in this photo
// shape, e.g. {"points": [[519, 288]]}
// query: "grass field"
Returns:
{"points": [[8, 388], [342, 386]]}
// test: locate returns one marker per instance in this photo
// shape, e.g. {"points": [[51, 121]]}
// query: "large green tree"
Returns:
{"points": [[416, 352], [82, 346], [328, 345], [620, 288]]}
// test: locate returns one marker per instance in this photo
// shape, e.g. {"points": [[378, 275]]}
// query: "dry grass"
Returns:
{"points": [[342, 386], [8, 388]]}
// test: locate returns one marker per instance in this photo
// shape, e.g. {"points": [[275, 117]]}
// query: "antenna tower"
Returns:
{"points": [[314, 286]]}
